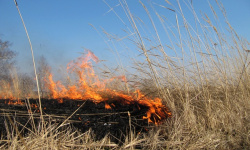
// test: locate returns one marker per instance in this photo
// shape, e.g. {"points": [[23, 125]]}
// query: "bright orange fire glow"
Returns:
{"points": [[89, 87], [6, 93]]}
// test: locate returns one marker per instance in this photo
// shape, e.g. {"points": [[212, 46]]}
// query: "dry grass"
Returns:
{"points": [[201, 72]]}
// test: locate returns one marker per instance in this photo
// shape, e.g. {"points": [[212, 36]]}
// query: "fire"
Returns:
{"points": [[89, 87], [88, 82], [6, 93], [107, 106]]}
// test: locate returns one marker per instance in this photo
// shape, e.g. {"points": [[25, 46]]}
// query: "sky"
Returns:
{"points": [[61, 30]]}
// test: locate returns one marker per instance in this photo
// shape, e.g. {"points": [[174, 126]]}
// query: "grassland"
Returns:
{"points": [[202, 74]]}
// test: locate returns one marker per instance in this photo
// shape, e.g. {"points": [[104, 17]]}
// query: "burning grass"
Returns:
{"points": [[88, 104], [89, 87]]}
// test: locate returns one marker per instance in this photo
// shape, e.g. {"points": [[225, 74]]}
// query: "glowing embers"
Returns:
{"points": [[89, 87]]}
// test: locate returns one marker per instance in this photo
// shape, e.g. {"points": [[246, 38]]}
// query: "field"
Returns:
{"points": [[199, 78]]}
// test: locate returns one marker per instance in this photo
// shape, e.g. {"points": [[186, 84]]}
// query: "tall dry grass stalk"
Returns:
{"points": [[33, 60]]}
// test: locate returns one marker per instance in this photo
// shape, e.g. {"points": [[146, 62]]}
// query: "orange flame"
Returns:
{"points": [[6, 93], [89, 87]]}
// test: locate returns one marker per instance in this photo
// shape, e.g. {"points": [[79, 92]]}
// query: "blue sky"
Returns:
{"points": [[59, 30]]}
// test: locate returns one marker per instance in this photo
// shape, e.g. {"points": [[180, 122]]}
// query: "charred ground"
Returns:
{"points": [[117, 121]]}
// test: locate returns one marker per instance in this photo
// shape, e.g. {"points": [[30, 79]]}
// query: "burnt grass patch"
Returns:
{"points": [[116, 122]]}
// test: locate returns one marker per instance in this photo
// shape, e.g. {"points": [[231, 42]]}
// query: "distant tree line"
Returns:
{"points": [[19, 85], [6, 60]]}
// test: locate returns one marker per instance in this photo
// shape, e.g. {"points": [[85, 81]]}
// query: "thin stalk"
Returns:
{"points": [[34, 64]]}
